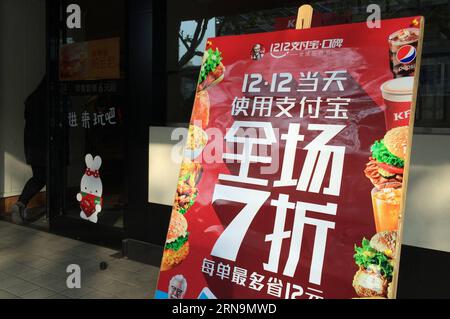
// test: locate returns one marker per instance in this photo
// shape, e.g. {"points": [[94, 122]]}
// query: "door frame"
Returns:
{"points": [[144, 66]]}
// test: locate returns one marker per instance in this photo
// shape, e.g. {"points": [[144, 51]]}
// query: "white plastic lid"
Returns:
{"points": [[399, 89]]}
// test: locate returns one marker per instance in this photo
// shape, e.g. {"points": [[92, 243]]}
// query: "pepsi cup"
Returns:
{"points": [[397, 96], [403, 51]]}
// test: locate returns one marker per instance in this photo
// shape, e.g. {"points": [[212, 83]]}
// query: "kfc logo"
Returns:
{"points": [[258, 51], [177, 287], [402, 115]]}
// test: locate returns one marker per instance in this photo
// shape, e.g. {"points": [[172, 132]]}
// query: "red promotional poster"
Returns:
{"points": [[292, 183]]}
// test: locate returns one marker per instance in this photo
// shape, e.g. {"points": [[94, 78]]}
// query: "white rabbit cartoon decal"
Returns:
{"points": [[91, 190]]}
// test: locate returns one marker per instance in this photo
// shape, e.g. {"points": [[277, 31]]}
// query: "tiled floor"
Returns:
{"points": [[33, 266]]}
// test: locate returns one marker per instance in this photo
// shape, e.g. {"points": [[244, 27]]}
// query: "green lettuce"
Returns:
{"points": [[178, 243], [183, 211], [366, 256], [213, 60], [381, 154]]}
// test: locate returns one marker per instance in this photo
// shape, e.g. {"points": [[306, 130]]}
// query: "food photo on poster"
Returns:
{"points": [[292, 183]]}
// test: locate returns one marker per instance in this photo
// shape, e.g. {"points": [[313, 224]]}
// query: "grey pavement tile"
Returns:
{"points": [[57, 296], [4, 245], [24, 238], [22, 288], [43, 278], [12, 232], [89, 265], [98, 295], [66, 257], [32, 274], [3, 275], [77, 293], [126, 264], [23, 229], [12, 229], [30, 250], [149, 273], [144, 278], [117, 274], [6, 258], [45, 234], [14, 268], [96, 280], [57, 285], [3, 224], [11, 281], [34, 238], [20, 237], [54, 268], [99, 256], [38, 263], [92, 251], [25, 258], [60, 270], [137, 280], [51, 282], [140, 279], [125, 291], [57, 247], [67, 243], [91, 269], [101, 250], [42, 251], [33, 265], [7, 295], [41, 293], [7, 233], [12, 240]]}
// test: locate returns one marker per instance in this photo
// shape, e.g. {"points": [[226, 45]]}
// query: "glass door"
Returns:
{"points": [[88, 125]]}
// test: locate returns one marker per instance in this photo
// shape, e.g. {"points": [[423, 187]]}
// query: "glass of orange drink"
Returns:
{"points": [[386, 207]]}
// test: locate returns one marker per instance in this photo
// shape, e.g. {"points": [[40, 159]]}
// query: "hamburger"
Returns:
{"points": [[212, 70], [387, 159], [176, 248], [187, 191], [375, 259]]}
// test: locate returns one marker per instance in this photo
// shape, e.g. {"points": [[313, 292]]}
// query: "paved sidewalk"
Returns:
{"points": [[33, 266]]}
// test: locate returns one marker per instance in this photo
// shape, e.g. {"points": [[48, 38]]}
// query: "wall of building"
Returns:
{"points": [[165, 156], [22, 65], [427, 220]]}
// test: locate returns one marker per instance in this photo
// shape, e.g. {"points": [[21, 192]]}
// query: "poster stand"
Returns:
{"points": [[304, 17], [223, 246]]}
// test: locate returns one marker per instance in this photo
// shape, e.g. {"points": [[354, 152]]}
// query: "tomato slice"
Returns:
{"points": [[390, 168]]}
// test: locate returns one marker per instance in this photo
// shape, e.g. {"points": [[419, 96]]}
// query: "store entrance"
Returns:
{"points": [[102, 103], [89, 124]]}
